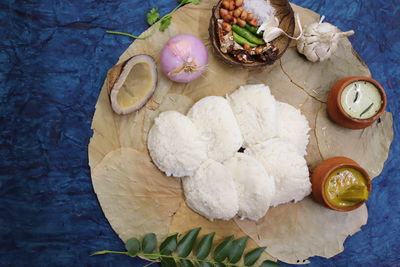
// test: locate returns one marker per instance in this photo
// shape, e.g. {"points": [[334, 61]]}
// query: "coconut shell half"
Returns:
{"points": [[132, 83], [285, 15]]}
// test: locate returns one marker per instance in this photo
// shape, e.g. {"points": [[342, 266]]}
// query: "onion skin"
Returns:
{"points": [[184, 58]]}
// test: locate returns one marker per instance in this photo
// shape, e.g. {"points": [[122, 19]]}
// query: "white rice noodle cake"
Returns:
{"points": [[293, 125], [211, 191], [255, 111], [255, 187], [282, 160], [175, 145], [214, 118]]}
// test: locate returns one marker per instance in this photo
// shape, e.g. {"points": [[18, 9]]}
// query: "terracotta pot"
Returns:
{"points": [[320, 174], [336, 111]]}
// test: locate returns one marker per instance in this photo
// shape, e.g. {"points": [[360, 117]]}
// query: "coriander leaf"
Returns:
{"points": [[152, 16], [204, 247], [223, 249], [251, 257], [132, 246], [149, 243], [165, 22], [185, 245]]}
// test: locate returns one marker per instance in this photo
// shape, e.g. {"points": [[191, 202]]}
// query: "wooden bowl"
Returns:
{"points": [[320, 174], [285, 15], [336, 111]]}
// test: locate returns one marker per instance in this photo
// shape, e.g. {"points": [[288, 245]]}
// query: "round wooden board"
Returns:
{"points": [[137, 198]]}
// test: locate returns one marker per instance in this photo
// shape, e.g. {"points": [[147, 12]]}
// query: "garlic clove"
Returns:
{"points": [[271, 33], [311, 39], [344, 34], [309, 52], [272, 22], [324, 51], [300, 46], [327, 28]]}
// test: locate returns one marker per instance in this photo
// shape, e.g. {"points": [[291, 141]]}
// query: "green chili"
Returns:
{"points": [[253, 29], [242, 41], [247, 35]]}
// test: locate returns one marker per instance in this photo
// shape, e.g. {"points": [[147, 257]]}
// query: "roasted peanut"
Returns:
{"points": [[234, 20], [226, 4], [243, 16], [237, 12], [238, 3], [241, 22], [246, 47], [230, 13], [226, 26], [258, 50], [250, 16], [222, 12], [232, 5], [253, 22], [228, 18]]}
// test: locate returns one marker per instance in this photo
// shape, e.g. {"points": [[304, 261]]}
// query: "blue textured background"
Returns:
{"points": [[54, 55]]}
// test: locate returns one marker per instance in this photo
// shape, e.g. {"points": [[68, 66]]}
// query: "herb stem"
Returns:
{"points": [[109, 251], [155, 28], [156, 255], [365, 110], [151, 263], [126, 34], [355, 99]]}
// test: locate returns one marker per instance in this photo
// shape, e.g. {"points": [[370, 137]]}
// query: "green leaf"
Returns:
{"points": [[204, 247], [205, 264], [187, 263], [169, 245], [132, 246], [152, 16], [149, 243], [268, 263], [183, 2], [165, 22], [223, 249], [251, 257], [237, 249], [220, 265], [186, 244], [168, 262]]}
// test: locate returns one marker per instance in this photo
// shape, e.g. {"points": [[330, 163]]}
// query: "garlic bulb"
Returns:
{"points": [[272, 31], [320, 40]]}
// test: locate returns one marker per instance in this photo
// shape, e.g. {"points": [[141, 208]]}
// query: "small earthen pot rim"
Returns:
{"points": [[321, 173], [346, 81]]}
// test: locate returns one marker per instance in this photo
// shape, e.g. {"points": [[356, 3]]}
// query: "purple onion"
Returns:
{"points": [[184, 58]]}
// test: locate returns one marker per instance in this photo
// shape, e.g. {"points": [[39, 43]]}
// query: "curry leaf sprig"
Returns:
{"points": [[153, 17], [187, 251]]}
